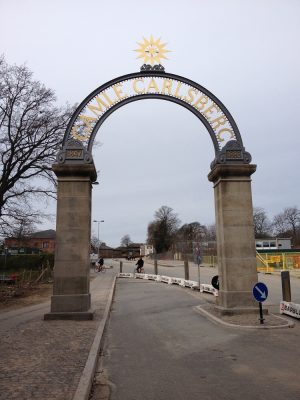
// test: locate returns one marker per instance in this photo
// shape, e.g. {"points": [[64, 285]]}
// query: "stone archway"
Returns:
{"points": [[230, 173]]}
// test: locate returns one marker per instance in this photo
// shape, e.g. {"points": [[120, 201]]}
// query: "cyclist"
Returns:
{"points": [[140, 265], [100, 263]]}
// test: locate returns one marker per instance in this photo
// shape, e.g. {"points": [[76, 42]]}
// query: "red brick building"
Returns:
{"points": [[43, 241]]}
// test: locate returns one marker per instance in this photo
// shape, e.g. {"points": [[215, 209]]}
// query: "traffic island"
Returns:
{"points": [[246, 320]]}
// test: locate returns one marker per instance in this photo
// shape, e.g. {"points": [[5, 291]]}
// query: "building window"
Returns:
{"points": [[45, 245]]}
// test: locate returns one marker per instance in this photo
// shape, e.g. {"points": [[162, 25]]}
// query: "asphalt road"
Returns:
{"points": [[158, 347]]}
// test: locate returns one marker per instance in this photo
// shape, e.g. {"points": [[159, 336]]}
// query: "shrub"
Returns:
{"points": [[26, 261]]}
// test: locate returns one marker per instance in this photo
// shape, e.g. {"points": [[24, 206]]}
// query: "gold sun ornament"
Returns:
{"points": [[152, 51]]}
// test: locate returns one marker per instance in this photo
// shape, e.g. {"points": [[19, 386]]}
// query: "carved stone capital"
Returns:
{"points": [[232, 153], [74, 153]]}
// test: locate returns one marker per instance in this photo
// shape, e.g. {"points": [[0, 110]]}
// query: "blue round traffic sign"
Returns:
{"points": [[260, 291]]}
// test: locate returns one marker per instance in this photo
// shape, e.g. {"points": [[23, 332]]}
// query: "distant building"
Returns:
{"points": [[273, 244], [131, 251], [43, 241], [146, 249], [106, 251]]}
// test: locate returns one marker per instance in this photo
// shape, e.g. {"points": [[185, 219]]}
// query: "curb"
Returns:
{"points": [[213, 318], [86, 380]]}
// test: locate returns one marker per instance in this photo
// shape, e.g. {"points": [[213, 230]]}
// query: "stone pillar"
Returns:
{"points": [[235, 237], [71, 290]]}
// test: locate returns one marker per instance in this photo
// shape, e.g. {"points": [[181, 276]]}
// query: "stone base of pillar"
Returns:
{"points": [[236, 311], [235, 303], [70, 306], [236, 299], [75, 316]]}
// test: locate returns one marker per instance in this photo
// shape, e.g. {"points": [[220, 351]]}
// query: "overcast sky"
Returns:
{"points": [[153, 152]]}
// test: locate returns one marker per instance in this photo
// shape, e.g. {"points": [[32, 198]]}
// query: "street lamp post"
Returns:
{"points": [[5, 254], [99, 222]]}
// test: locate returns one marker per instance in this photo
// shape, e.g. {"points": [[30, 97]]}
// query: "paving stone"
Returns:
{"points": [[44, 359]]}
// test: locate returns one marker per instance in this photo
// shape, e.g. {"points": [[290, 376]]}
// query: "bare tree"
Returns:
{"points": [[22, 229], [161, 231], [125, 240], [279, 225], [262, 225], [292, 217], [31, 130], [95, 244], [187, 235], [193, 231], [287, 223], [210, 233]]}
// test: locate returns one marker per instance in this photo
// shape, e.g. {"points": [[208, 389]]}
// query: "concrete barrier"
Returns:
{"points": [[177, 281], [205, 287], [190, 284], [166, 279], [153, 277], [124, 275], [290, 308], [139, 276]]}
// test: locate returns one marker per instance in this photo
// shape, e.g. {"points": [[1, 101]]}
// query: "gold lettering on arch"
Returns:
{"points": [[222, 132], [167, 85], [118, 91], [201, 102], [221, 120], [135, 87], [98, 109], [88, 122], [156, 85], [152, 85]]}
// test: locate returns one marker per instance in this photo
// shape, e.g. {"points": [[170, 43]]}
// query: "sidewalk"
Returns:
{"points": [[45, 359]]}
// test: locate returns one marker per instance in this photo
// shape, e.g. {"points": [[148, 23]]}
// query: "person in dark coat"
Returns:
{"points": [[140, 264], [100, 264]]}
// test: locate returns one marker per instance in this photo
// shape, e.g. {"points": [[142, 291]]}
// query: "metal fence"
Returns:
{"points": [[275, 261], [210, 260], [278, 261]]}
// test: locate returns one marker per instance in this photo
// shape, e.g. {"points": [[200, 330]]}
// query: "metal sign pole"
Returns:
{"points": [[261, 317], [260, 293]]}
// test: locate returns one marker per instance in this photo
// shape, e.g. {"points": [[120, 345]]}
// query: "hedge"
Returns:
{"points": [[26, 261]]}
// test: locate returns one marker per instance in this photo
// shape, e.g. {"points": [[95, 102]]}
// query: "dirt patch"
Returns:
{"points": [[12, 298]]}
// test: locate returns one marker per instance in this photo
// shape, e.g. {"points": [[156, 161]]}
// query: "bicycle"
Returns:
{"points": [[99, 268], [142, 271]]}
